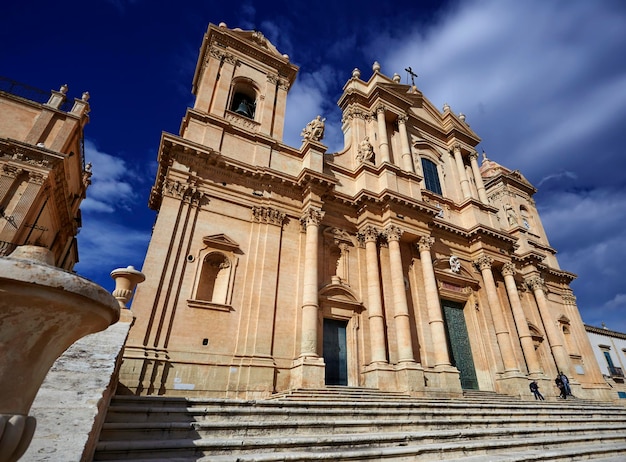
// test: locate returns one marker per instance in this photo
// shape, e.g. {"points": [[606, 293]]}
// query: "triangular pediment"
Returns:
{"points": [[220, 241], [258, 39]]}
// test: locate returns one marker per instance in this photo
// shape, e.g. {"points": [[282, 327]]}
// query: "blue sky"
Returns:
{"points": [[543, 83]]}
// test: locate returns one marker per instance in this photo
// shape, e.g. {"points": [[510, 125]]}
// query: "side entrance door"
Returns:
{"points": [[459, 344], [335, 352]]}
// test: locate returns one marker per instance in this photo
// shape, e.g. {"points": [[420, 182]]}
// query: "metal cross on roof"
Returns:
{"points": [[413, 75]]}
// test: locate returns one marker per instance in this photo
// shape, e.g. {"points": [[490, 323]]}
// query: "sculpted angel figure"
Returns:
{"points": [[366, 151], [314, 130]]}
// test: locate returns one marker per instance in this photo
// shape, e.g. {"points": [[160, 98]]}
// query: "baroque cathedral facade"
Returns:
{"points": [[399, 263]]}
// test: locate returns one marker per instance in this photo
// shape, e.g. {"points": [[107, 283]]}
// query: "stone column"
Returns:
{"points": [[555, 339], [435, 316], [383, 139], [482, 194], [502, 333], [467, 193], [526, 340], [374, 297], [407, 159], [310, 220], [401, 308]]}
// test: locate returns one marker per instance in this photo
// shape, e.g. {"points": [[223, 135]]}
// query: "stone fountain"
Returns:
{"points": [[43, 310]]}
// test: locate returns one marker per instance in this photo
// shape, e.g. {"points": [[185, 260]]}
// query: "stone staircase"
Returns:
{"points": [[359, 424]]}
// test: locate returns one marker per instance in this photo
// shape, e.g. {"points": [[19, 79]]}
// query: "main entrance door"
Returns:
{"points": [[459, 344], [335, 352]]}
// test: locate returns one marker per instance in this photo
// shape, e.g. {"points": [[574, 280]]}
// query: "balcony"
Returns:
{"points": [[616, 373]]}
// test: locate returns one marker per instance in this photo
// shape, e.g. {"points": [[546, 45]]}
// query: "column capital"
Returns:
{"points": [[456, 149], [380, 108], [393, 233], [508, 269], [535, 283], [218, 53], [484, 262], [473, 155], [425, 243], [268, 215], [311, 216], [370, 233], [403, 118]]}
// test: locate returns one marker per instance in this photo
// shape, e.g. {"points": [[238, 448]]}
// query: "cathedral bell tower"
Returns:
{"points": [[241, 82]]}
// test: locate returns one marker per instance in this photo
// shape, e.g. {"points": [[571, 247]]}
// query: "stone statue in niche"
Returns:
{"points": [[314, 130], [510, 215], [366, 151]]}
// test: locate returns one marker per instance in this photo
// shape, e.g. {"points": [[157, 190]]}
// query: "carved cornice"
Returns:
{"points": [[268, 215]]}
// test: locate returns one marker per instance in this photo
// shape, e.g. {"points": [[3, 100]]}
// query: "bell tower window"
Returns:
{"points": [[244, 101]]}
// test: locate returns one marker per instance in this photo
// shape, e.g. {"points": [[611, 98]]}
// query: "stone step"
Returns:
{"points": [[180, 430], [438, 445], [369, 425]]}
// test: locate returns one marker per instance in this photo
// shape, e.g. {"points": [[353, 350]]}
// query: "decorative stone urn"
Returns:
{"points": [[43, 310]]}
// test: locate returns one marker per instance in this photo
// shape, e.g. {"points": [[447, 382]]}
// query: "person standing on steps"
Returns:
{"points": [[561, 386], [565, 380], [534, 387]]}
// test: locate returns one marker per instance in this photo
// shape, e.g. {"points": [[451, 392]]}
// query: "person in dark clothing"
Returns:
{"points": [[561, 386], [565, 380], [534, 387]]}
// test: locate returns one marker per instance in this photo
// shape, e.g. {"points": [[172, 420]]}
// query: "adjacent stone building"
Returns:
{"points": [[398, 263], [43, 178], [609, 347]]}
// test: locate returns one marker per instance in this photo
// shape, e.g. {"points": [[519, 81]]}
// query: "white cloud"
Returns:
{"points": [[110, 187], [104, 246]]}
